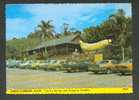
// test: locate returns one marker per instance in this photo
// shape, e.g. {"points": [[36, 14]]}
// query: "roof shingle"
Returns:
{"points": [[54, 42]]}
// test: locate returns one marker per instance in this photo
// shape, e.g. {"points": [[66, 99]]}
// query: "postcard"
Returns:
{"points": [[69, 48]]}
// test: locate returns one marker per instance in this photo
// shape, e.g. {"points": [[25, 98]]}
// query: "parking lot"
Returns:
{"points": [[28, 79]]}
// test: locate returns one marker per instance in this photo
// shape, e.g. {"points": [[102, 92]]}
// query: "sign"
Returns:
{"points": [[98, 57]]}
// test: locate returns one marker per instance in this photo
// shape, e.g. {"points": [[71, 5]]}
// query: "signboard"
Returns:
{"points": [[98, 57]]}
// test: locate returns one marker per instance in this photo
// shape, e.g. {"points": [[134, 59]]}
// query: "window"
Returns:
{"points": [[114, 61]]}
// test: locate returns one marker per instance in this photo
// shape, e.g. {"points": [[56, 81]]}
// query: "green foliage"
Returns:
{"points": [[15, 47], [117, 26]]}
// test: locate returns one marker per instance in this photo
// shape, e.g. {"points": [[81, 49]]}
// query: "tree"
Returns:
{"points": [[66, 29], [118, 26], [46, 29], [119, 22]]}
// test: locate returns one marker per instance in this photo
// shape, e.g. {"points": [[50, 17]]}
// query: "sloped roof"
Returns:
{"points": [[54, 42]]}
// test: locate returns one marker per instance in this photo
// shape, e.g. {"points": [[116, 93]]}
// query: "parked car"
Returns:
{"points": [[55, 65], [25, 64], [43, 65], [105, 66], [125, 67], [12, 63], [77, 66], [35, 65]]}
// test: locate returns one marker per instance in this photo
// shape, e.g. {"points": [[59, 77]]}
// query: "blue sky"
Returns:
{"points": [[21, 19]]}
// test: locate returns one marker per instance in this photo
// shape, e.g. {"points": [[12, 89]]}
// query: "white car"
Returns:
{"points": [[55, 64], [25, 64]]}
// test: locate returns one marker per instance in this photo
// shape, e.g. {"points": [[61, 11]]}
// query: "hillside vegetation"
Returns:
{"points": [[118, 27]]}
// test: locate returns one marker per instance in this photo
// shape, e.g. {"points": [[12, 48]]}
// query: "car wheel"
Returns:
{"points": [[45, 69], [122, 73], [57, 69], [87, 70], [77, 70], [95, 72], [73, 70], [108, 71], [68, 71]]}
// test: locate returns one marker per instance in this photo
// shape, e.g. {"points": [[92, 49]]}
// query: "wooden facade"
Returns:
{"points": [[65, 48]]}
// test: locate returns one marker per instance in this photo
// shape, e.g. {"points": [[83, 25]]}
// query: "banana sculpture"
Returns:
{"points": [[95, 46]]}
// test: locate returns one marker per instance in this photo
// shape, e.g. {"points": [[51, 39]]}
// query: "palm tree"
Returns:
{"points": [[46, 30]]}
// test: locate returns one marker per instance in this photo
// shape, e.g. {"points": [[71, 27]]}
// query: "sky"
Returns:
{"points": [[21, 19]]}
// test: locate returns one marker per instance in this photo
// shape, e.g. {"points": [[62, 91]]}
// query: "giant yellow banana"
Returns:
{"points": [[95, 46]]}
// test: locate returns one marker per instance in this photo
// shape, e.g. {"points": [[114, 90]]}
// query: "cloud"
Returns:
{"points": [[17, 27], [78, 16], [66, 13]]}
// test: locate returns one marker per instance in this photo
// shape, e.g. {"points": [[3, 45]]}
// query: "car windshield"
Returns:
{"points": [[114, 61], [125, 62], [28, 62], [12, 61], [103, 62], [42, 61], [130, 61], [86, 62], [47, 61], [71, 62], [52, 61], [62, 62]]}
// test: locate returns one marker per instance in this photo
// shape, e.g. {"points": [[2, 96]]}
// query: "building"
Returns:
{"points": [[58, 47]]}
